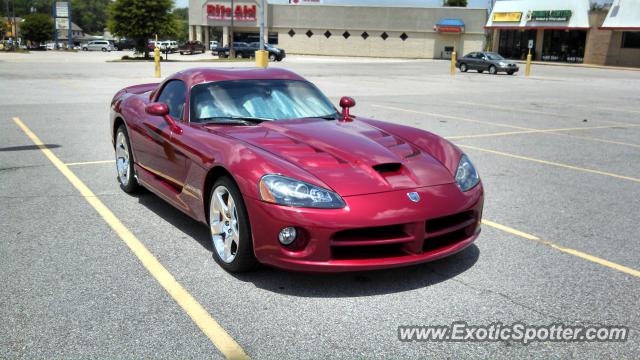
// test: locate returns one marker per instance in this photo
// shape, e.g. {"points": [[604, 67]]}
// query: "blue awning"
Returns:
{"points": [[450, 22]]}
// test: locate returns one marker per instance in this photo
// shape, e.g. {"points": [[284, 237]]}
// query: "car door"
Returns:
{"points": [[156, 151], [471, 61], [484, 62]]}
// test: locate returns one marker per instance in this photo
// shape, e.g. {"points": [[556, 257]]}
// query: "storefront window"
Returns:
{"points": [[514, 44], [563, 45], [631, 39]]}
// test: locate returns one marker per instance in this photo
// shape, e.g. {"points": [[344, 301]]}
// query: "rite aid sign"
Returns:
{"points": [[241, 12]]}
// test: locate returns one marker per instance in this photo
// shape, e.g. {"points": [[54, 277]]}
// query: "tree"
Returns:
{"points": [[141, 20], [460, 3], [90, 15], [182, 23], [37, 28]]}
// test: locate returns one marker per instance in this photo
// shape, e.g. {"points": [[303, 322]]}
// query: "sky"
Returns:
{"points": [[472, 3]]}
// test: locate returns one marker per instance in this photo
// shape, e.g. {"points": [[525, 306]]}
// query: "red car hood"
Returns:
{"points": [[352, 158]]}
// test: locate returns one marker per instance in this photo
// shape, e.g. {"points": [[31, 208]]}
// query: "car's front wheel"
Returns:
{"points": [[493, 70], [272, 57], [510, 72], [230, 228], [463, 67], [124, 161]]}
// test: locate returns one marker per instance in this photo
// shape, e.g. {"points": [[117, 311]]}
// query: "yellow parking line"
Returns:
{"points": [[553, 163], [552, 131], [90, 162], [218, 336], [580, 254], [524, 130], [444, 116]]}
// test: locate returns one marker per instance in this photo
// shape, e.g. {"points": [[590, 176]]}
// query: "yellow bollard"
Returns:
{"points": [[156, 55], [262, 58], [527, 70], [453, 63]]}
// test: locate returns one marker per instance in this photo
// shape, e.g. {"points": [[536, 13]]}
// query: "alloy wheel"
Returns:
{"points": [[224, 224], [122, 159]]}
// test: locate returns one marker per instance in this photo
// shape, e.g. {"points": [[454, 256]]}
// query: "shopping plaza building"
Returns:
{"points": [[567, 31], [317, 28]]}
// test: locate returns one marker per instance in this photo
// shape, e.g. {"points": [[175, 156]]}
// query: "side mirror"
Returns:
{"points": [[162, 109], [346, 103]]}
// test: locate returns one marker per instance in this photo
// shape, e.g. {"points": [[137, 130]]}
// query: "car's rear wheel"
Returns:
{"points": [[124, 161], [272, 57], [230, 228], [239, 55], [493, 70], [480, 71], [104, 49], [463, 67]]}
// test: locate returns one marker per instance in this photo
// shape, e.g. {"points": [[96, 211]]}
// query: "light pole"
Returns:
{"points": [[264, 13], [232, 52]]}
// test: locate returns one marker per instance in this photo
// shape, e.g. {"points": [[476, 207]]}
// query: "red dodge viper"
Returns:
{"points": [[282, 178]]}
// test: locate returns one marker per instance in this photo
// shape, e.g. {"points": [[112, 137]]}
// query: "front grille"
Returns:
{"points": [[448, 230], [367, 252], [379, 233], [442, 223]]}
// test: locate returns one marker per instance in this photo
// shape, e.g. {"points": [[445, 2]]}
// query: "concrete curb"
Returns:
{"points": [[590, 66]]}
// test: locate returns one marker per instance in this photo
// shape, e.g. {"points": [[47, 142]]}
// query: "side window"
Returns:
{"points": [[174, 94]]}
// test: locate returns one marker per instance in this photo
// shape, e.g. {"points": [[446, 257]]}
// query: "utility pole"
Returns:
{"points": [[70, 33], [232, 52], [14, 29], [262, 30]]}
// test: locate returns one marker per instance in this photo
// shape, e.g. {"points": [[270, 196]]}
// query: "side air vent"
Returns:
{"points": [[387, 168]]}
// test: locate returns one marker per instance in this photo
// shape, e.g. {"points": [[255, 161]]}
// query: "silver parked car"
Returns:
{"points": [[98, 45], [486, 61]]}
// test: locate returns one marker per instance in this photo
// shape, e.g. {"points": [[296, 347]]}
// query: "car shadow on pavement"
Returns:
{"points": [[30, 147], [175, 217], [350, 284], [362, 283]]}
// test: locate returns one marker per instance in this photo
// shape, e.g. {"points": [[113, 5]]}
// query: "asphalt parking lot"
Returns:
{"points": [[558, 154]]}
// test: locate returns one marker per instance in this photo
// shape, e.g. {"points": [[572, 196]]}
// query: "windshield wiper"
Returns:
{"points": [[333, 116], [246, 120]]}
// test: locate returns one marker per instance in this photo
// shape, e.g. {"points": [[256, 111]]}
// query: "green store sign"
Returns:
{"points": [[550, 15]]}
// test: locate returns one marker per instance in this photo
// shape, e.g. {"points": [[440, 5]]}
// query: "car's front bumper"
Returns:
{"points": [[509, 68], [373, 231]]}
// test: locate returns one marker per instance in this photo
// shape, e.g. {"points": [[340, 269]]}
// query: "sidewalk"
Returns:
{"points": [[579, 65]]}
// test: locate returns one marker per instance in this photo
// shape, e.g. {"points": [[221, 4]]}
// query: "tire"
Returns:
{"points": [[124, 162], [85, 49], [181, 52], [239, 55], [480, 71], [104, 49], [463, 67], [493, 70], [510, 72], [230, 228], [273, 57]]}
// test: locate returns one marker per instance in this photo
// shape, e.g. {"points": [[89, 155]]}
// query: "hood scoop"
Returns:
{"points": [[389, 168]]}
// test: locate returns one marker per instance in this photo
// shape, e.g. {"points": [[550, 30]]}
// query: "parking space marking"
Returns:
{"points": [[524, 130], [500, 107], [552, 163], [580, 254], [90, 162], [453, 117], [218, 336], [534, 131]]}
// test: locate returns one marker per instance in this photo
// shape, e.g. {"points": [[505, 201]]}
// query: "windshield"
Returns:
{"points": [[263, 99], [494, 56]]}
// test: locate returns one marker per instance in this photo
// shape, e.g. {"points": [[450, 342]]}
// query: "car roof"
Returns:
{"points": [[202, 75]]}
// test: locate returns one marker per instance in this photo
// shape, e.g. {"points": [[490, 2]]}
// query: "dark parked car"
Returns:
{"points": [[124, 44], [275, 53], [486, 61], [242, 50], [192, 47]]}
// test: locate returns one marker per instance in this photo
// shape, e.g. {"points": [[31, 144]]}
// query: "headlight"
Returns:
{"points": [[466, 175], [285, 191], [503, 63]]}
